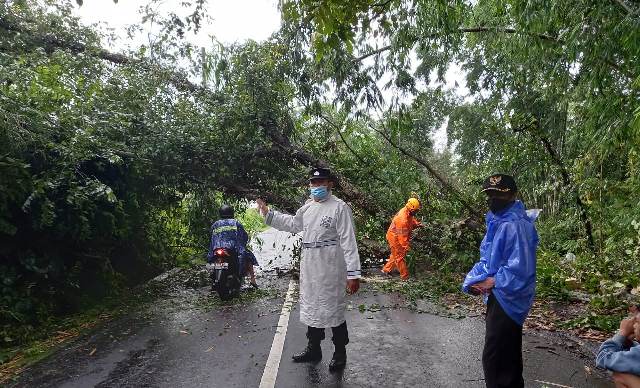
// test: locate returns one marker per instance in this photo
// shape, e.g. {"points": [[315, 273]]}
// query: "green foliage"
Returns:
{"points": [[430, 285], [111, 173], [79, 204], [252, 222], [608, 322], [112, 167], [551, 276], [553, 100]]}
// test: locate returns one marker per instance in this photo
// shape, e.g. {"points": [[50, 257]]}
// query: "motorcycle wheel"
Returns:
{"points": [[220, 287], [225, 295], [230, 288]]}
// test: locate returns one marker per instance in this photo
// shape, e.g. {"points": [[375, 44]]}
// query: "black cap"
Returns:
{"points": [[320, 173], [226, 211], [500, 182]]}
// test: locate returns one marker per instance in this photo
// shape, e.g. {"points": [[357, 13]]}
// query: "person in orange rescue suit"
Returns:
{"points": [[398, 235]]}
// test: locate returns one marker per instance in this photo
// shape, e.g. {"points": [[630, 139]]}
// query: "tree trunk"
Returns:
{"points": [[445, 184], [566, 181], [350, 192]]}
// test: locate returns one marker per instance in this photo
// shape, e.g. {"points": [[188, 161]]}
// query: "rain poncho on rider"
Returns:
{"points": [[228, 233]]}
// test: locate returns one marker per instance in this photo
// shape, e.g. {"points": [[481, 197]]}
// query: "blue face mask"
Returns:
{"points": [[319, 192]]}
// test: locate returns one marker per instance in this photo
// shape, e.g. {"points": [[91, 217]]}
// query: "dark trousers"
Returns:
{"points": [[502, 355], [340, 336]]}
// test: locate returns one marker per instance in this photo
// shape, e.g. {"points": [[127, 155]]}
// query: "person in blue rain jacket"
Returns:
{"points": [[229, 233], [506, 277]]}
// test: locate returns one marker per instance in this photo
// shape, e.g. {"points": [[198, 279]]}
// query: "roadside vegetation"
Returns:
{"points": [[113, 164]]}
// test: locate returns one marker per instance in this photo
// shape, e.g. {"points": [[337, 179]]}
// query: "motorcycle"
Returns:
{"points": [[225, 273]]}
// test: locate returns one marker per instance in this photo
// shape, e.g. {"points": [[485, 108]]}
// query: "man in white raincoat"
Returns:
{"points": [[329, 268]]}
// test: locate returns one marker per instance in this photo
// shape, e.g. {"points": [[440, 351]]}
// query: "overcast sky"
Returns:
{"points": [[233, 21]]}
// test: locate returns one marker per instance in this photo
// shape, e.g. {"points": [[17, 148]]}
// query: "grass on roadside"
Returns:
{"points": [[602, 314], [425, 285], [55, 333], [60, 330]]}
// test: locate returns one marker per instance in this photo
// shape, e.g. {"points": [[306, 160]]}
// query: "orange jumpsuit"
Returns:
{"points": [[398, 237]]}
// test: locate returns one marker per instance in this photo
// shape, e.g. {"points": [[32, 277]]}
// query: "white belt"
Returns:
{"points": [[320, 244]]}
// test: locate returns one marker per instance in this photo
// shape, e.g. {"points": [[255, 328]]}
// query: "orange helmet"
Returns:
{"points": [[413, 204]]}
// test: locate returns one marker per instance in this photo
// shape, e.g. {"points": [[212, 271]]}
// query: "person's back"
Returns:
{"points": [[228, 233]]}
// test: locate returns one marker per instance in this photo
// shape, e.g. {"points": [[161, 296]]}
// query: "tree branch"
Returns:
{"points": [[463, 30], [285, 204], [509, 30], [372, 53], [536, 131], [353, 152], [506, 30], [50, 43], [351, 193], [382, 5], [626, 7], [445, 184]]}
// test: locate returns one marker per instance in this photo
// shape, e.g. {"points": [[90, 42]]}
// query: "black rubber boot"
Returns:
{"points": [[340, 340], [339, 360], [312, 353]]}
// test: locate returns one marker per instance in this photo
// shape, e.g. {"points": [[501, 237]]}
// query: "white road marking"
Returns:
{"points": [[553, 384], [273, 362]]}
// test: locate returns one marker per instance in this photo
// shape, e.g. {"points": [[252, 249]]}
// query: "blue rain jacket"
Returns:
{"points": [[618, 355], [508, 254], [230, 234]]}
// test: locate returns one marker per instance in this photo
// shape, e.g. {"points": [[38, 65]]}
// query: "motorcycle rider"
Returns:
{"points": [[229, 233]]}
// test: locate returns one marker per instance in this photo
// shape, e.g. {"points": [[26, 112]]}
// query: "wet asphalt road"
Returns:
{"points": [[397, 347], [185, 341], [174, 344]]}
